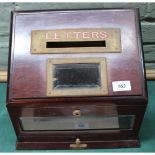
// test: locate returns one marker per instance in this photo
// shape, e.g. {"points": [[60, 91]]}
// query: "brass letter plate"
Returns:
{"points": [[76, 77], [76, 40]]}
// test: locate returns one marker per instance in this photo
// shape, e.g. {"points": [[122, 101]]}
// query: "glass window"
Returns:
{"points": [[77, 123], [76, 76]]}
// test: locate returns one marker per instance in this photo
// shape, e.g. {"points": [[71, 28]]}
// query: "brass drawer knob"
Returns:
{"points": [[76, 113], [78, 145]]}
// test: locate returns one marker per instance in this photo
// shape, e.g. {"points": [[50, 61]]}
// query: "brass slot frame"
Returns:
{"points": [[39, 38]]}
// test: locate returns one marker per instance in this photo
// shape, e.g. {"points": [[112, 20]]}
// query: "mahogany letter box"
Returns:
{"points": [[76, 79]]}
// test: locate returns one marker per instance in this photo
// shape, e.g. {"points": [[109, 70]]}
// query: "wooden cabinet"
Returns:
{"points": [[76, 79]]}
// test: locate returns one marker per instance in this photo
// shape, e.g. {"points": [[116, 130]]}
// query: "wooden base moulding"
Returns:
{"points": [[66, 145]]}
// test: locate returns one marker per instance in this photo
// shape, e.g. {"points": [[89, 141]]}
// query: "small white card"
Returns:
{"points": [[121, 86]]}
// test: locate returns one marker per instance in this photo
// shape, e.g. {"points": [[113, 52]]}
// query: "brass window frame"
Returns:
{"points": [[101, 91]]}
